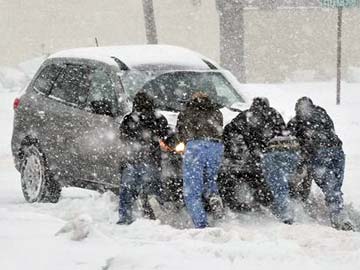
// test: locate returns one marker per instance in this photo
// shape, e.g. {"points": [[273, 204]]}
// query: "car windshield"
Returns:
{"points": [[171, 90]]}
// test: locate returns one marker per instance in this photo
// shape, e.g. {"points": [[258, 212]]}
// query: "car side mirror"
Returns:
{"points": [[102, 107]]}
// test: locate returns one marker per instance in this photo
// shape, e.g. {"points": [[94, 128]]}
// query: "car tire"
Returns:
{"points": [[36, 181]]}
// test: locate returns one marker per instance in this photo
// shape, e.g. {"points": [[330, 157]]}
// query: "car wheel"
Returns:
{"points": [[36, 181]]}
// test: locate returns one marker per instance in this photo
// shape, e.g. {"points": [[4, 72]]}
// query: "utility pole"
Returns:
{"points": [[150, 25], [232, 37], [340, 5], [339, 52]]}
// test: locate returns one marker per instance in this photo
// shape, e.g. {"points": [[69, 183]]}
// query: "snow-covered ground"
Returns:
{"points": [[29, 237]]}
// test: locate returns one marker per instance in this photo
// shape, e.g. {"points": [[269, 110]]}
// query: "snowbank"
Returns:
{"points": [[353, 75], [14, 79]]}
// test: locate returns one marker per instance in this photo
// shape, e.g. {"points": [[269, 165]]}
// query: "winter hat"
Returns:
{"points": [[304, 106], [199, 96], [200, 100], [260, 103]]}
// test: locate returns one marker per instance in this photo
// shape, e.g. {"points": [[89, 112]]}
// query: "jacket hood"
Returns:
{"points": [[143, 103]]}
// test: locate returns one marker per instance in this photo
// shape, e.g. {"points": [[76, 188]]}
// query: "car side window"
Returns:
{"points": [[102, 98], [45, 81], [222, 87], [73, 84]]}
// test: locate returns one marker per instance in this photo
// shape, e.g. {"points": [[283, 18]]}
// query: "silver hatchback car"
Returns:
{"points": [[66, 125]]}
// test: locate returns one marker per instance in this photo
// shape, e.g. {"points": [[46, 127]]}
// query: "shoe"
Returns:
{"points": [[288, 221], [285, 214], [341, 221], [148, 212], [343, 226], [124, 221], [216, 206]]}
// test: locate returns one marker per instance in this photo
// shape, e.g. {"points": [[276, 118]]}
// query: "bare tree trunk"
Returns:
{"points": [[232, 36], [150, 26]]}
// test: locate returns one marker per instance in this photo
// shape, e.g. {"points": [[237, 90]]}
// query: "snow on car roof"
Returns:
{"points": [[142, 56]]}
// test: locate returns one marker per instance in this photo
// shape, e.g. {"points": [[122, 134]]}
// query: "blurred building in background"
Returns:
{"points": [[283, 40]]}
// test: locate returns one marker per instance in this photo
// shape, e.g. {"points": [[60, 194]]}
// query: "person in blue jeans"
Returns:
{"points": [[140, 132], [139, 179], [279, 163], [200, 125], [324, 154]]}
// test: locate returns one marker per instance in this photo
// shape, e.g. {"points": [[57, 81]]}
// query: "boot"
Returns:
{"points": [[216, 206], [341, 221]]}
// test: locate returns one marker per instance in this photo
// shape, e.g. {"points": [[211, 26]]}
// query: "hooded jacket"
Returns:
{"points": [[313, 127], [252, 130], [141, 131], [200, 120]]}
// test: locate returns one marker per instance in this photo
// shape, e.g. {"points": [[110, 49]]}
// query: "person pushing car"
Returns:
{"points": [[200, 125], [141, 132]]}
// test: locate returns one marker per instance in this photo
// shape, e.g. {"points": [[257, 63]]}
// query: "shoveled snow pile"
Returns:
{"points": [[14, 79], [41, 236]]}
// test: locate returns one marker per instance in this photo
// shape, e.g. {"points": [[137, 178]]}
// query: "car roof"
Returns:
{"points": [[143, 57]]}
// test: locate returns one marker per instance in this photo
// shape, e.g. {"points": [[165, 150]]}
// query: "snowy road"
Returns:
{"points": [[27, 231]]}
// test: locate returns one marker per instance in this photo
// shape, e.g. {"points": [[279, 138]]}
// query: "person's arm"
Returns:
{"points": [[292, 127], [233, 136], [180, 127], [163, 127], [125, 129], [279, 122], [220, 118], [163, 133], [325, 118]]}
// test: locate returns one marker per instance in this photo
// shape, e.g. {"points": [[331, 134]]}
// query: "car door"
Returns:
{"points": [[99, 142], [69, 97], [39, 107]]}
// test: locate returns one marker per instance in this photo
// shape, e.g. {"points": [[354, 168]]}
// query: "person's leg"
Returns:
{"points": [[126, 194], [152, 180], [150, 186], [328, 172], [214, 154], [277, 168], [193, 168], [227, 180]]}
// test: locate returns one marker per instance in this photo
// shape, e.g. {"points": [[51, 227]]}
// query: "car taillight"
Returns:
{"points": [[16, 103]]}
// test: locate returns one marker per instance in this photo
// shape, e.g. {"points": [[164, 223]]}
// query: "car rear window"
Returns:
{"points": [[72, 85], [45, 81]]}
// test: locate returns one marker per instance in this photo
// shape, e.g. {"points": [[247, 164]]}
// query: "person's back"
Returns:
{"points": [[253, 128], [200, 120], [313, 127]]}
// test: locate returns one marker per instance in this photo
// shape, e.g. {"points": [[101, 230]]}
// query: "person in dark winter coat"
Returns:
{"points": [[245, 139], [257, 126], [324, 154], [141, 132], [200, 125]]}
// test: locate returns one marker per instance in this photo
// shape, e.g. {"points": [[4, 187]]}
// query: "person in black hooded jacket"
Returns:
{"points": [[246, 138], [325, 158], [140, 132]]}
